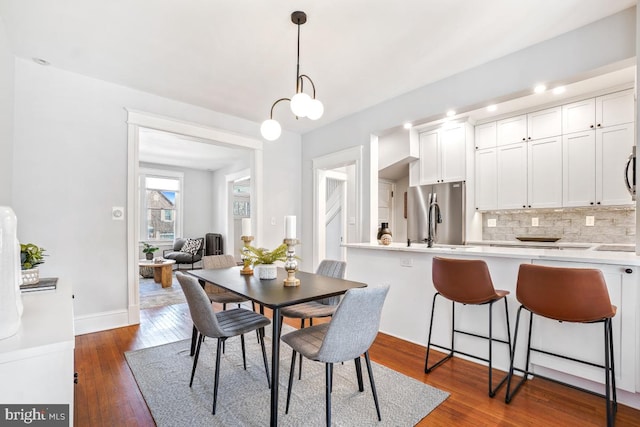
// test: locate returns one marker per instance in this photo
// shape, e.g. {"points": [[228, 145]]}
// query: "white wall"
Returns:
{"points": [[70, 168], [6, 117], [575, 53]]}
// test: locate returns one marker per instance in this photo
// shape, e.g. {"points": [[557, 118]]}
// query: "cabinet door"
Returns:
{"points": [[486, 179], [579, 169], [544, 123], [485, 135], [452, 154], [579, 116], [512, 176], [511, 130], [613, 146], [429, 158], [615, 109], [544, 161]]}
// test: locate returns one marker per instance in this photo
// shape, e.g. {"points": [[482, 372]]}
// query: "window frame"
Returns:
{"points": [[142, 200]]}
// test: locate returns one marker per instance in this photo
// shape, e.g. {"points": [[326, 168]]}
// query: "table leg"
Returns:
{"points": [[157, 274], [275, 366], [167, 278]]}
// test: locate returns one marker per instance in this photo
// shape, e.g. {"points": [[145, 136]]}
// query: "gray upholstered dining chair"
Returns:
{"points": [[349, 335], [222, 325], [216, 293], [320, 308]]}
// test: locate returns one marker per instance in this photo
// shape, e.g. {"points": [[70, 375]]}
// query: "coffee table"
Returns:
{"points": [[161, 270]]}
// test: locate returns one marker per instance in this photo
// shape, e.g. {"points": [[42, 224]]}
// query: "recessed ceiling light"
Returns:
{"points": [[491, 108], [540, 89], [407, 125], [558, 90], [40, 61], [451, 113]]}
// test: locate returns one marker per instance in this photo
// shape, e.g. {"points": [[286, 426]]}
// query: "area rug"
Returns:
{"points": [[152, 294], [162, 373]]}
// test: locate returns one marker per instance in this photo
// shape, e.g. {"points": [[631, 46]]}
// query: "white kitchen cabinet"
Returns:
{"points": [[578, 169], [37, 363], [512, 176], [544, 123], [485, 135], [613, 146], [603, 111], [486, 179], [511, 130], [544, 173], [586, 341], [593, 165], [443, 154]]}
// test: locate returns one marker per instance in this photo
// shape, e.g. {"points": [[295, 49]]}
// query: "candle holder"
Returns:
{"points": [[291, 264], [246, 269]]}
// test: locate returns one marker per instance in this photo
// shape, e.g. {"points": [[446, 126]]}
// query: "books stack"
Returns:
{"points": [[45, 284]]}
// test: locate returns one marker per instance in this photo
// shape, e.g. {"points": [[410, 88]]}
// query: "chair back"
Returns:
{"points": [[335, 269], [202, 314], [211, 262], [466, 281], [567, 294], [354, 325]]}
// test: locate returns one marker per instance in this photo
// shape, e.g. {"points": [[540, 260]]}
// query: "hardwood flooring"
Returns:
{"points": [[107, 393]]}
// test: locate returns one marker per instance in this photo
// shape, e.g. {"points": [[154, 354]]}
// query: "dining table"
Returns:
{"points": [[274, 295]]}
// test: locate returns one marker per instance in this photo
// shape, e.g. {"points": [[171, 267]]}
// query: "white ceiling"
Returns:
{"points": [[237, 57]]}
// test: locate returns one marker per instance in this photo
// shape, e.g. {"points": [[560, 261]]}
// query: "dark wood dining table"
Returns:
{"points": [[274, 295]]}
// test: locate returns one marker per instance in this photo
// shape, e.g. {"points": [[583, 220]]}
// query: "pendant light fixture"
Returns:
{"points": [[302, 105]]}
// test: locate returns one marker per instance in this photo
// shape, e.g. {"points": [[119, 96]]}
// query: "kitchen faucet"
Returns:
{"points": [[433, 219]]}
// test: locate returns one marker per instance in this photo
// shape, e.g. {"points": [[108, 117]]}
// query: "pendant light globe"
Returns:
{"points": [[270, 130], [300, 104], [316, 109]]}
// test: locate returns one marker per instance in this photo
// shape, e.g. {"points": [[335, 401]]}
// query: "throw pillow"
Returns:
{"points": [[191, 246]]}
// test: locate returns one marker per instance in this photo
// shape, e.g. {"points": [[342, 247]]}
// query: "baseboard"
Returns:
{"points": [[101, 321]]}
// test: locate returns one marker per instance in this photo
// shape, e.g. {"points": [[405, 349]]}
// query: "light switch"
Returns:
{"points": [[589, 221], [534, 222], [273, 220]]}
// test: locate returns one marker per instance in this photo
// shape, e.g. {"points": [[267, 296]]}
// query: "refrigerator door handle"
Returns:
{"points": [[631, 186]]}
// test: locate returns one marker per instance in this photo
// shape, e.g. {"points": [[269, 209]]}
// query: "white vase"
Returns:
{"points": [[10, 278], [267, 271], [30, 276]]}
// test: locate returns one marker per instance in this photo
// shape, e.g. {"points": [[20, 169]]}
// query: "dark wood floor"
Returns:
{"points": [[107, 394]]}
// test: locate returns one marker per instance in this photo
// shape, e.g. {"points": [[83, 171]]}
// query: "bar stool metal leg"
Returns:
{"points": [[428, 368]]}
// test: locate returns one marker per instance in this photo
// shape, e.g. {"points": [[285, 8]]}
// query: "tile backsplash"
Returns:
{"points": [[611, 224]]}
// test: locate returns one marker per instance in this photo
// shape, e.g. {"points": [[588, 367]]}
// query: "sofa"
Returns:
{"points": [[185, 251]]}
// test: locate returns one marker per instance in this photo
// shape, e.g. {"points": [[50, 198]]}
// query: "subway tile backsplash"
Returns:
{"points": [[611, 224]]}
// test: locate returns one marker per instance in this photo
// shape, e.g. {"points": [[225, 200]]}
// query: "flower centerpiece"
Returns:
{"points": [[266, 259], [148, 250], [30, 257]]}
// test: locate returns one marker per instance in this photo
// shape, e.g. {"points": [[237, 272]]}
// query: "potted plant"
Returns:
{"points": [[30, 257], [148, 250], [266, 259]]}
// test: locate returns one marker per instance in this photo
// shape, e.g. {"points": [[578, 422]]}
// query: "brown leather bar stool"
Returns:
{"points": [[466, 282], [577, 295]]}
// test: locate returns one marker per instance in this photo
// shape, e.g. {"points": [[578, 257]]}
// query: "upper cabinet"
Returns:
{"points": [[527, 127], [486, 136], [595, 113], [443, 154]]}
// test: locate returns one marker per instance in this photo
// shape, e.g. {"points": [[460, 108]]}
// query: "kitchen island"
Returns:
{"points": [[407, 270]]}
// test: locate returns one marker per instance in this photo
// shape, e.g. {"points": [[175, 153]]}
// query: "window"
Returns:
{"points": [[160, 204]]}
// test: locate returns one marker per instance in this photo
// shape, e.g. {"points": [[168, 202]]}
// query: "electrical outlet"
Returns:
{"points": [[117, 213], [589, 221], [534, 222], [491, 222], [406, 262], [273, 220]]}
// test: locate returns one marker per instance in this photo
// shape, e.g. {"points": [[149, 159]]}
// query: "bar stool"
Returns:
{"points": [[466, 282], [577, 295]]}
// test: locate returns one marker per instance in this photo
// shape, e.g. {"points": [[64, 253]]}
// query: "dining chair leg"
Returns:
{"points": [[300, 369], [329, 376], [359, 373], [194, 337], [291, 373], [264, 359], [373, 384], [244, 356], [217, 375], [195, 359]]}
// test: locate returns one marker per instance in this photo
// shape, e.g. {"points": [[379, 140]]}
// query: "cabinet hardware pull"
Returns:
{"points": [[628, 270]]}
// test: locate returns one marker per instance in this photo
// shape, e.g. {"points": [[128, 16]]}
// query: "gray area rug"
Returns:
{"points": [[152, 294], [162, 373]]}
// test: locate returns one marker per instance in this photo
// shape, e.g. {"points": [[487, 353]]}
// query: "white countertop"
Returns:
{"points": [[564, 252]]}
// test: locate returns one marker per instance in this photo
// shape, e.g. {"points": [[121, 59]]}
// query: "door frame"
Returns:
{"points": [[138, 119]]}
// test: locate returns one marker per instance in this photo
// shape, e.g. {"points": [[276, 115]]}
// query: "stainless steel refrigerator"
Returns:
{"points": [[436, 213]]}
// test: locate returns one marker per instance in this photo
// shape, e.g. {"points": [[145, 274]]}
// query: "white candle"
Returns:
{"points": [[290, 227], [246, 226]]}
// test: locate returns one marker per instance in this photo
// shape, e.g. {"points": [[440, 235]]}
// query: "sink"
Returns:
{"points": [[616, 248]]}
